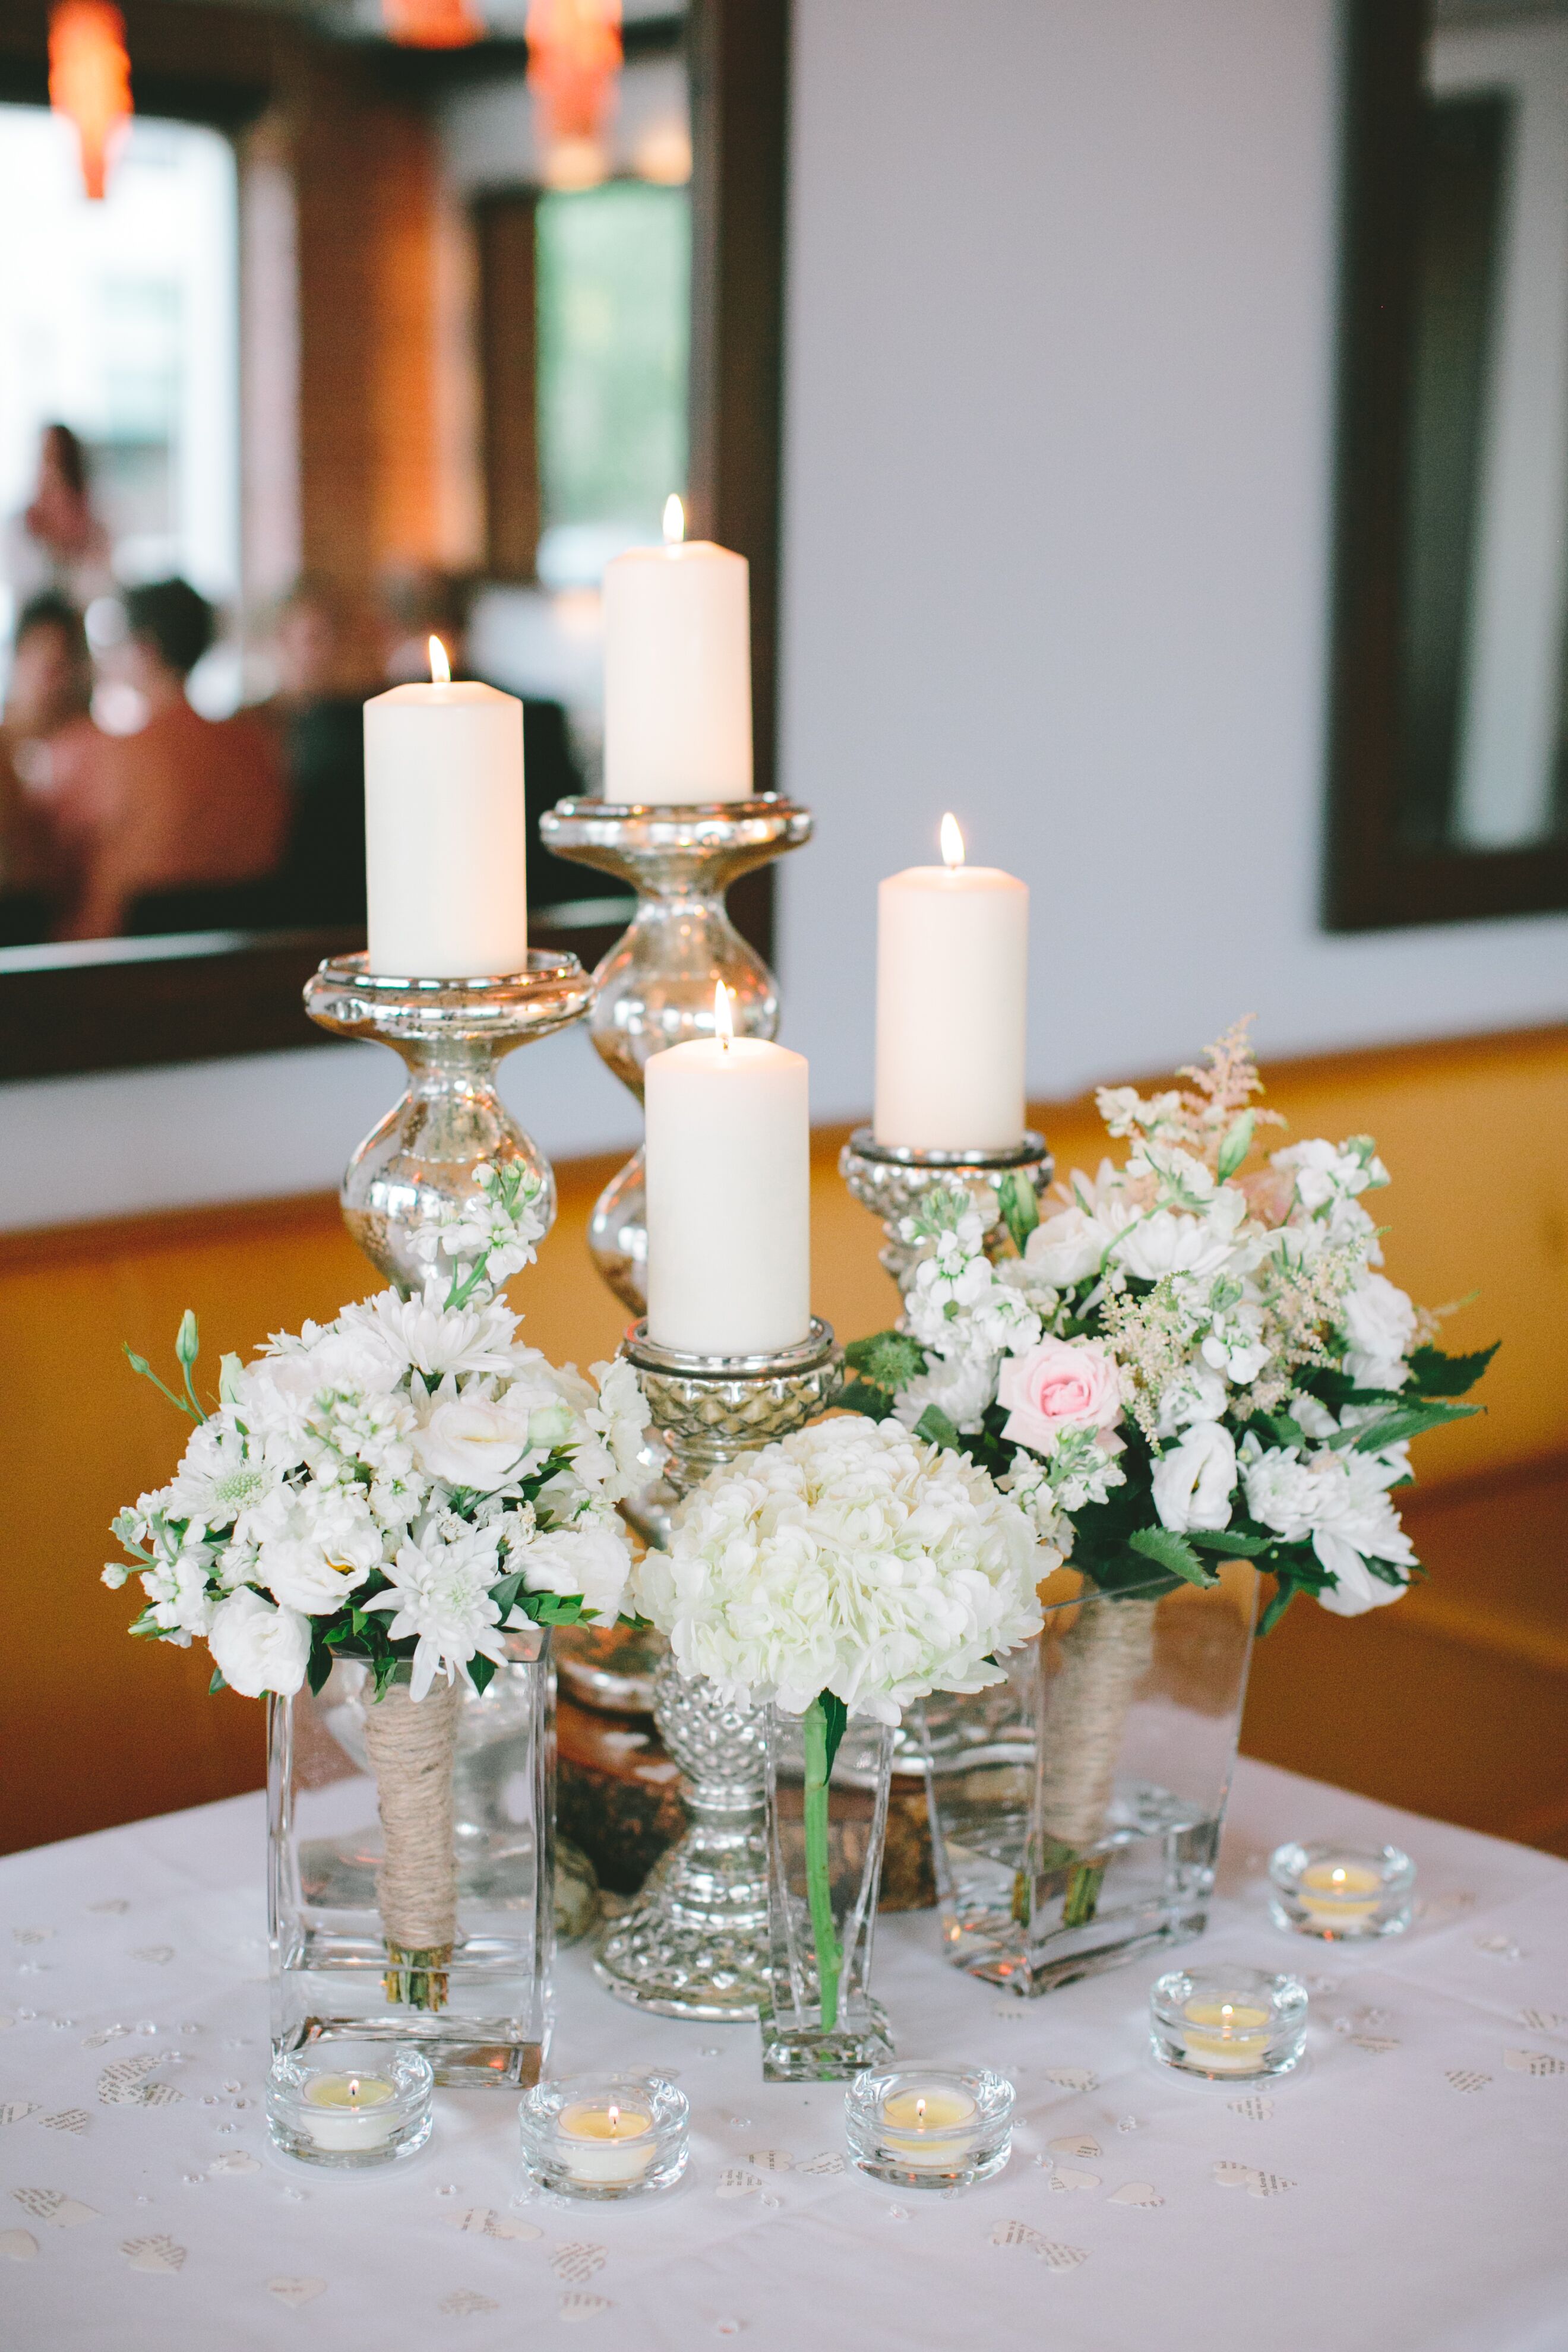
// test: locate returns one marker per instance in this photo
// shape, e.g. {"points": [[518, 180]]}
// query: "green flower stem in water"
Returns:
{"points": [[818, 1886]]}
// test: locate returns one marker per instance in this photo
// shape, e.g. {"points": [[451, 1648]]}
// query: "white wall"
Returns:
{"points": [[1060, 348], [1056, 531]]}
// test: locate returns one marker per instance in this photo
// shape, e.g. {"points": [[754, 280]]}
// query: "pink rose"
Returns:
{"points": [[1060, 1382]]}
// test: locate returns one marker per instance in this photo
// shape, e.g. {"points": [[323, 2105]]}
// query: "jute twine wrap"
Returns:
{"points": [[411, 1751], [1105, 1653]]}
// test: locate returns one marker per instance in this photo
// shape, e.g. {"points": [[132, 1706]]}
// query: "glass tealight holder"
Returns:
{"points": [[350, 2105], [1343, 1893], [930, 2127], [603, 2137], [1223, 2023]]}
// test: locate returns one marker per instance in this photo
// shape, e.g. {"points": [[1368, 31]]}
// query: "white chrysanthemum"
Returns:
{"points": [[440, 1592], [1340, 1499], [219, 1479], [435, 1340], [849, 1559]]}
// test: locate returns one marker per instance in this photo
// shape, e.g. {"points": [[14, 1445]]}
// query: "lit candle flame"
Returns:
{"points": [[723, 1026], [951, 842], [353, 2090], [1226, 2014], [920, 2114], [440, 667], [674, 522], [615, 2121], [1338, 1876]]}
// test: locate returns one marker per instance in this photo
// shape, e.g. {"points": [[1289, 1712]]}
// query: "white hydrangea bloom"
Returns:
{"points": [[851, 1558]]}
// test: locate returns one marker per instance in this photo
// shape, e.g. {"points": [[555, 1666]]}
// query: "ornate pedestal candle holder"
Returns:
{"points": [[421, 1158], [655, 988], [695, 1943], [892, 1179]]}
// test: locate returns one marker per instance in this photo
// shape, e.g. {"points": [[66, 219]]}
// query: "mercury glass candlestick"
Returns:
{"points": [[892, 1179], [655, 988], [695, 1942], [420, 1159]]}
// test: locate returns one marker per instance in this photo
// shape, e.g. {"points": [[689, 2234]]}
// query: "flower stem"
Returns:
{"points": [[818, 1886]]}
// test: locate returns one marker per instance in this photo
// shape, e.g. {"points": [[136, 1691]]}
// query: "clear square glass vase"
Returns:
{"points": [[1077, 1810], [825, 1843], [411, 1866]]}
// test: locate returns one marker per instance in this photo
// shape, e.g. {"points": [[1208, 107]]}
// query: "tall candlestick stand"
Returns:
{"points": [[892, 1179], [694, 1944], [655, 988], [422, 1156]]}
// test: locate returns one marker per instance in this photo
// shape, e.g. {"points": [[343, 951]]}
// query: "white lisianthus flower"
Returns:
{"points": [[1379, 1325], [591, 1557], [1193, 1483], [472, 1440], [849, 1559], [315, 1545], [960, 1386], [440, 1592], [257, 1647]]}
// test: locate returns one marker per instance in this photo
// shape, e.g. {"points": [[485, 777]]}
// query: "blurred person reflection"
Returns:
{"points": [[57, 543], [46, 700], [169, 820], [421, 604], [325, 670]]}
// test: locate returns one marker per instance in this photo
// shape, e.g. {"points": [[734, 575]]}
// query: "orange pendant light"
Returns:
{"points": [[432, 24], [573, 59], [89, 80]]}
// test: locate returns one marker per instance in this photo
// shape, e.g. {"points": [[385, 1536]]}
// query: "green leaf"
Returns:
{"points": [[1437, 1375], [505, 1592], [1225, 1539], [1405, 1421], [1238, 1143], [481, 1673], [1020, 1208], [1174, 1553], [319, 1667], [835, 1716], [1284, 1595], [217, 1682], [936, 1429], [383, 1670], [859, 1396]]}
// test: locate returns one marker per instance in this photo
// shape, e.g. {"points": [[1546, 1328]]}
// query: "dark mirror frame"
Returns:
{"points": [[1373, 880], [110, 1006]]}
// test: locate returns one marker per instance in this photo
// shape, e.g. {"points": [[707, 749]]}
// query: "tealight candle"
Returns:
{"points": [[600, 2136], [344, 2105], [1342, 1894], [926, 2129], [351, 2110], [1223, 2022]]}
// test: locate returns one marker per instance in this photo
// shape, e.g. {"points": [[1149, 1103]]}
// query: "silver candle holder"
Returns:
{"points": [[891, 1180], [694, 1943], [420, 1159], [655, 988]]}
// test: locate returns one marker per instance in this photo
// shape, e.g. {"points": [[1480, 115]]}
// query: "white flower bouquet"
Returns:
{"points": [[845, 1571], [397, 1487], [1190, 1357]]}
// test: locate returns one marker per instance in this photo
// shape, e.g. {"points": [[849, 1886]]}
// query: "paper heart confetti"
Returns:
{"points": [[577, 2262], [1076, 2144], [53, 2205], [159, 2094], [734, 2181], [113, 1903], [482, 2222], [235, 2159], [1500, 1947], [67, 2119], [1268, 2184], [31, 1935], [119, 2084], [1255, 2109], [1534, 2062], [1050, 2251], [18, 2245], [1465, 2078], [1067, 2177], [1135, 2192], [160, 1955], [822, 2167], [574, 2307], [1232, 2176], [296, 2291], [771, 2159], [153, 2254], [1542, 2020], [17, 2111], [463, 2303], [1072, 2078]]}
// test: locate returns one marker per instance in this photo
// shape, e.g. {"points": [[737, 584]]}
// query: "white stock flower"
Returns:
{"points": [[440, 1591], [257, 1647], [1194, 1481], [1379, 1325], [851, 1558], [1326, 1171], [315, 1545]]}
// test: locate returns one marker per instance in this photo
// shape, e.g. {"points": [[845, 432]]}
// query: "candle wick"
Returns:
{"points": [[921, 2113], [615, 2122], [353, 2090]]}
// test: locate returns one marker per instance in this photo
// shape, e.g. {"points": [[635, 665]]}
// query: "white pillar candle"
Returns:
{"points": [[677, 672], [729, 1196], [953, 945], [446, 844]]}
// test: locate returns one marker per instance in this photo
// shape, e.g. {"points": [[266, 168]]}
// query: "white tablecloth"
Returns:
{"points": [[1407, 2191]]}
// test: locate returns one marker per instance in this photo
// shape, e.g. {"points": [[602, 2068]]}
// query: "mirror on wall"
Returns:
{"points": [[355, 349], [1450, 724]]}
